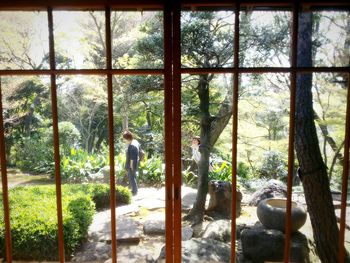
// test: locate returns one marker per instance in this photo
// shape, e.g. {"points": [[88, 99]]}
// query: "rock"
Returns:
{"points": [[219, 230], [186, 233], [274, 188], [154, 227], [128, 230], [151, 203], [127, 209], [220, 199], [202, 250], [93, 252], [260, 245], [157, 227]]}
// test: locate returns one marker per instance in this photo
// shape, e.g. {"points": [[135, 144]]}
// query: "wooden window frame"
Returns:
{"points": [[171, 72]]}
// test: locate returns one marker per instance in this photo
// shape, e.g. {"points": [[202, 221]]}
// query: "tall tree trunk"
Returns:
{"points": [[211, 127], [197, 212], [313, 171]]}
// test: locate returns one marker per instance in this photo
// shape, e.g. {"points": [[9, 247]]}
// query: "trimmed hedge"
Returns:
{"points": [[34, 218], [100, 193]]}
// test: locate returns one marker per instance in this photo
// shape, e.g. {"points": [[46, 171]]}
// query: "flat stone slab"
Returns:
{"points": [[128, 230], [127, 209], [93, 252], [154, 227], [151, 204], [202, 250]]}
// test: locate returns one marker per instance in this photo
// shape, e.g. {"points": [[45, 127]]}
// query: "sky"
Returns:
{"points": [[69, 35]]}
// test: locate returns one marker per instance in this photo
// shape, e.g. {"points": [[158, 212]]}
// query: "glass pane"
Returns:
{"points": [[28, 130], [137, 39], [207, 39], [206, 110], [325, 143], [330, 36], [326, 33], [263, 116], [265, 38], [139, 109], [2, 223], [79, 39], [82, 106], [24, 40]]}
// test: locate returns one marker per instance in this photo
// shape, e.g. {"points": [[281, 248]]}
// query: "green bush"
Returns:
{"points": [[100, 193], [273, 166], [152, 171], [76, 166], [34, 218], [34, 222], [69, 136], [223, 172], [33, 154]]}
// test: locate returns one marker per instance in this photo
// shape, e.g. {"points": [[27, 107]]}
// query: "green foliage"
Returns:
{"points": [[189, 177], [120, 160], [34, 217], [100, 193], [152, 171], [79, 164], [33, 154], [34, 222], [273, 166], [244, 171], [69, 136], [222, 172]]}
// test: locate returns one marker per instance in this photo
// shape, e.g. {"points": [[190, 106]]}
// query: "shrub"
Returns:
{"points": [[273, 166], [152, 171], [69, 136], [223, 172], [189, 177], [100, 193], [33, 155], [76, 166], [34, 222], [34, 218]]}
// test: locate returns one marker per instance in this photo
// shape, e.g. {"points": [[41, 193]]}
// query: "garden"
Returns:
{"points": [[138, 105]]}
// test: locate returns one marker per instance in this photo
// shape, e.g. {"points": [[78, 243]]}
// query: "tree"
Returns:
{"points": [[313, 170]]}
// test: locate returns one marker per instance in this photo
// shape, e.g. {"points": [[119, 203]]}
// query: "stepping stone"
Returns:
{"points": [[93, 252], [151, 204], [127, 209], [128, 230], [157, 227], [154, 227], [154, 224]]}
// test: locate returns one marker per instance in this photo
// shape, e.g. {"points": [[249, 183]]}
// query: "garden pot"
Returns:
{"points": [[272, 214]]}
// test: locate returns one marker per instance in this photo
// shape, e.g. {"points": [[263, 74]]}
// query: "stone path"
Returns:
{"points": [[140, 229]]}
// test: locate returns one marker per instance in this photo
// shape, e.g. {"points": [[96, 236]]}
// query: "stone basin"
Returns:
{"points": [[272, 214]]}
